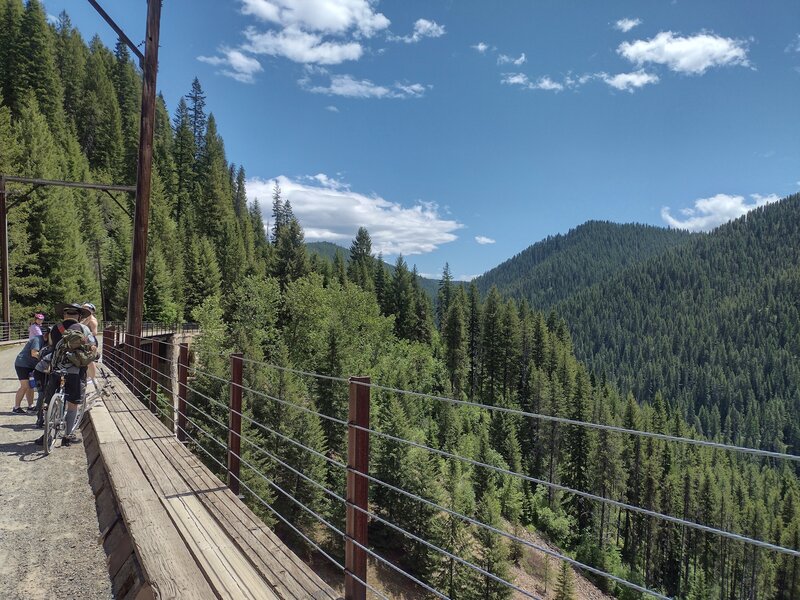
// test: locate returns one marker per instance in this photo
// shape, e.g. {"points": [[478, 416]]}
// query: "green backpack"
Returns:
{"points": [[77, 348]]}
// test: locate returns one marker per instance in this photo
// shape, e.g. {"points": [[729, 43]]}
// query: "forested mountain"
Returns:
{"points": [[69, 111], [714, 325], [561, 265]]}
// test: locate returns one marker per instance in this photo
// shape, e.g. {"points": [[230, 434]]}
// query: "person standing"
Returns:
{"points": [[35, 328], [91, 322], [24, 365]]}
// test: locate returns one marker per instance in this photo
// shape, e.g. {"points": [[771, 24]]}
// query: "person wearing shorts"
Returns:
{"points": [[24, 365], [74, 377]]}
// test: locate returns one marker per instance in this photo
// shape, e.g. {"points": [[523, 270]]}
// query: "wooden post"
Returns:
{"points": [[6, 334], [183, 374], [154, 352], [144, 171], [105, 347], [235, 423], [355, 557], [126, 348]]}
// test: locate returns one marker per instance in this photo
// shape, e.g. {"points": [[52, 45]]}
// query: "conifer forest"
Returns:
{"points": [[696, 337]]}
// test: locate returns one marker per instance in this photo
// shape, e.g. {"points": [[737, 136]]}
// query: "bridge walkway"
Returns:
{"points": [[173, 529]]}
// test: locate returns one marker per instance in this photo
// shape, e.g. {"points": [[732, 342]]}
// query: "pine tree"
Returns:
{"points": [[565, 588], [197, 115], [360, 267], [71, 59], [100, 123], [402, 300], [12, 87], [35, 66], [444, 295], [493, 553], [185, 151], [454, 339]]}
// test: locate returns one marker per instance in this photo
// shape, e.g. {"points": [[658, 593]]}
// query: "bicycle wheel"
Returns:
{"points": [[52, 421]]}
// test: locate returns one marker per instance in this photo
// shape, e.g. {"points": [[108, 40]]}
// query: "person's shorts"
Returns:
{"points": [[23, 373], [73, 388]]}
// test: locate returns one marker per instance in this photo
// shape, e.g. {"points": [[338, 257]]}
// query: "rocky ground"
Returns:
{"points": [[48, 522]]}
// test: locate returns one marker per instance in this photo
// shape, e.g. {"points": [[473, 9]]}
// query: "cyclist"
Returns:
{"points": [[74, 376]]}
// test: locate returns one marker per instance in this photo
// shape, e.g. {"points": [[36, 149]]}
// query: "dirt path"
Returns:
{"points": [[48, 523]]}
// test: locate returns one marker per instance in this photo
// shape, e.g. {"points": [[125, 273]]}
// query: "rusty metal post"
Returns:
{"points": [[235, 423], [355, 557], [144, 170], [155, 349], [6, 334], [183, 375]]}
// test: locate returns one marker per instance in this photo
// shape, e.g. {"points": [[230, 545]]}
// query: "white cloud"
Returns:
{"points": [[625, 25], [694, 54], [332, 108], [466, 277], [335, 214], [483, 240], [52, 19], [422, 29], [628, 82], [334, 17], [480, 47], [234, 64], [350, 87], [520, 79], [709, 213], [794, 45], [504, 59], [301, 46]]}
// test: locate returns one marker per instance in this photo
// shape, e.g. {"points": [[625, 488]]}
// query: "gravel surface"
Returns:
{"points": [[48, 522]]}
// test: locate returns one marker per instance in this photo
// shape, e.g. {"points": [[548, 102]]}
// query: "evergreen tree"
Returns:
{"points": [[197, 115], [360, 267], [565, 588], [12, 87], [185, 151], [99, 125], [35, 66], [444, 295], [493, 553]]}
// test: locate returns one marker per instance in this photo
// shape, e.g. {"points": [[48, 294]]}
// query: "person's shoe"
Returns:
{"points": [[40, 440], [31, 409], [18, 410], [68, 440]]}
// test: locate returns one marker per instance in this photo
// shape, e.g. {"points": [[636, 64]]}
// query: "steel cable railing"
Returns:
{"points": [[527, 543], [130, 357], [558, 487], [256, 495], [329, 492]]}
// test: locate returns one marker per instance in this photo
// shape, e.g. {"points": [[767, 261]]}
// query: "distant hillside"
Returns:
{"points": [[713, 323], [562, 265], [328, 250]]}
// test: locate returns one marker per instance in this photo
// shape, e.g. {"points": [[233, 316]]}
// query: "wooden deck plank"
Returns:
{"points": [[230, 574], [167, 565], [283, 569]]}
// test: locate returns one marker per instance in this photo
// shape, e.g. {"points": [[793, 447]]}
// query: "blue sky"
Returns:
{"points": [[464, 131]]}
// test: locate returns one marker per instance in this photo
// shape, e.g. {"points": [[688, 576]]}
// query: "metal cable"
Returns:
{"points": [[550, 418], [265, 395], [587, 495]]}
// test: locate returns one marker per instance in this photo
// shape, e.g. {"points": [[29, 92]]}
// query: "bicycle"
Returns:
{"points": [[55, 422]]}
